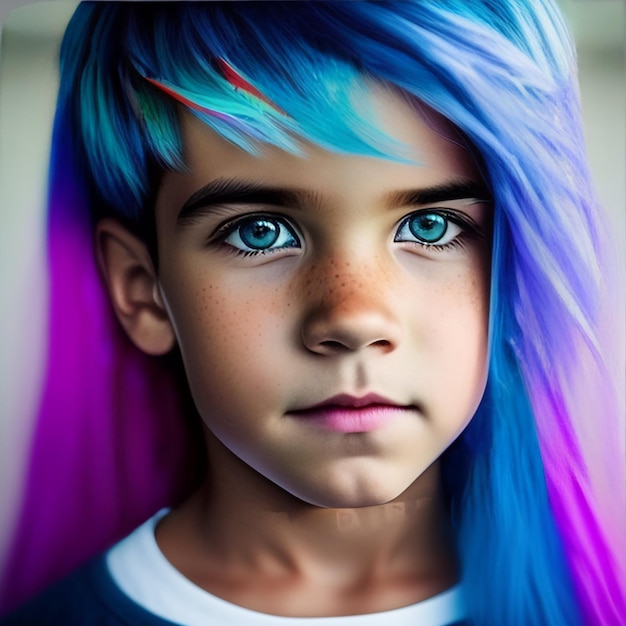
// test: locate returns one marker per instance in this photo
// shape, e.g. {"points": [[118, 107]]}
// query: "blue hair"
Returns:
{"points": [[532, 546]]}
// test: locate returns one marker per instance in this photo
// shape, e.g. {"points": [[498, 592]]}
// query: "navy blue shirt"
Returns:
{"points": [[88, 597]]}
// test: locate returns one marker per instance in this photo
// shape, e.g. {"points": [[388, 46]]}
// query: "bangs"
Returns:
{"points": [[236, 70], [331, 107]]}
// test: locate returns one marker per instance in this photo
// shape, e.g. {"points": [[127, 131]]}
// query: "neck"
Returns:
{"points": [[255, 530]]}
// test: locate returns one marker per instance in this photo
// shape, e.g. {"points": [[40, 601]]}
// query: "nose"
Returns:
{"points": [[349, 312]]}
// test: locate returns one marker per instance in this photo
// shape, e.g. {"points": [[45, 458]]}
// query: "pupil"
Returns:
{"points": [[259, 234], [429, 228]]}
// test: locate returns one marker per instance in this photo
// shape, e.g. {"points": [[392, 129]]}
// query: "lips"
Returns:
{"points": [[349, 414]]}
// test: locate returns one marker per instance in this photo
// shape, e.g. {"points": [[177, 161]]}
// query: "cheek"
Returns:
{"points": [[229, 340], [456, 340]]}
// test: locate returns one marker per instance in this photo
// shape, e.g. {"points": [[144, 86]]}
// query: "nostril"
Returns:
{"points": [[334, 346], [332, 331], [381, 343]]}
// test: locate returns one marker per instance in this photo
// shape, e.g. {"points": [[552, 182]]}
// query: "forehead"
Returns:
{"points": [[432, 152]]}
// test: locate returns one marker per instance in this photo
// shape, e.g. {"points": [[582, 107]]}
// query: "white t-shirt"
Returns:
{"points": [[143, 573]]}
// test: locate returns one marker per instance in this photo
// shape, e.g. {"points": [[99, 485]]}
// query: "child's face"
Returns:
{"points": [[283, 300]]}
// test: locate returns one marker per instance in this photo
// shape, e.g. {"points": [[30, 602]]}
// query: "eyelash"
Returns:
{"points": [[468, 229], [286, 231]]}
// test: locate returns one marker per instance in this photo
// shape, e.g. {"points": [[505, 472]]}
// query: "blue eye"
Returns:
{"points": [[260, 233], [428, 227]]}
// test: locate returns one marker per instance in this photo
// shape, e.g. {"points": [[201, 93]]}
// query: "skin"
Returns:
{"points": [[294, 518]]}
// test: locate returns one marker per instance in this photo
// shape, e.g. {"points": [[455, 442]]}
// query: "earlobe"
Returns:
{"points": [[133, 287]]}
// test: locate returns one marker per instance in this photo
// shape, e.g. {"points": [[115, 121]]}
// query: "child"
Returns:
{"points": [[365, 233]]}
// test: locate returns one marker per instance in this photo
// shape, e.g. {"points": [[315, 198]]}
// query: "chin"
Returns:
{"points": [[355, 498]]}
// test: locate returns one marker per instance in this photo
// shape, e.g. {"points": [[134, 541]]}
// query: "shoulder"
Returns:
{"points": [[88, 597]]}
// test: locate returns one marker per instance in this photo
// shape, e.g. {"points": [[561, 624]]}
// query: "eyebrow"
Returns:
{"points": [[224, 191], [462, 189], [232, 191]]}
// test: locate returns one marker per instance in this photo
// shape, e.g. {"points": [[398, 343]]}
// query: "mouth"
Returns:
{"points": [[349, 414]]}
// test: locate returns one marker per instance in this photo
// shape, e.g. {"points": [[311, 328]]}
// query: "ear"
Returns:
{"points": [[133, 287]]}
